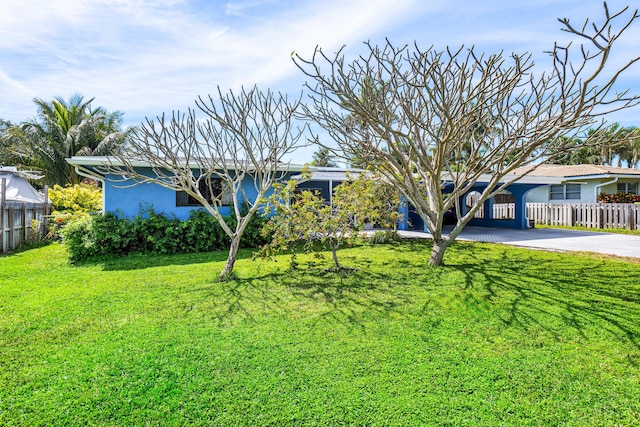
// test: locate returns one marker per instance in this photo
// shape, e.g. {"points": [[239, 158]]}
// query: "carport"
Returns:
{"points": [[507, 209]]}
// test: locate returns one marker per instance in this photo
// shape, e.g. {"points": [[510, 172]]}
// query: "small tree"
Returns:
{"points": [[437, 122], [306, 217], [233, 156]]}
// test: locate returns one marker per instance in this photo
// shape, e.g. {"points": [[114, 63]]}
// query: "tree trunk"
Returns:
{"points": [[231, 259], [437, 253], [334, 252]]}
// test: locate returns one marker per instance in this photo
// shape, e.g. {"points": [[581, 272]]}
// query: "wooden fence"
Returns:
{"points": [[20, 222], [17, 225], [589, 215]]}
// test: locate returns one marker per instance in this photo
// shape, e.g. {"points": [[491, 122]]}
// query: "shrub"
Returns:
{"points": [[380, 237], [80, 239], [112, 234], [202, 233], [156, 233], [74, 200], [151, 232], [618, 198]]}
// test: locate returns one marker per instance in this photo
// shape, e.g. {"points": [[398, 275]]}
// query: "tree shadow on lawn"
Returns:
{"points": [[312, 292], [525, 287], [555, 291]]}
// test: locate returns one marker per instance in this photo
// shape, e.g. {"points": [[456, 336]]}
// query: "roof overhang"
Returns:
{"points": [[526, 179], [602, 176], [107, 161], [336, 174]]}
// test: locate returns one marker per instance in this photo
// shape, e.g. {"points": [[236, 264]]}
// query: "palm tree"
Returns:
{"points": [[573, 151], [5, 146], [323, 157], [629, 150], [64, 129]]}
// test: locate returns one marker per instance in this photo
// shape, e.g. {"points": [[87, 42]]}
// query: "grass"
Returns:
{"points": [[499, 336], [598, 230]]}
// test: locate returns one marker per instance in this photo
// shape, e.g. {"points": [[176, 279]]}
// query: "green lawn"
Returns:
{"points": [[500, 336], [597, 230]]}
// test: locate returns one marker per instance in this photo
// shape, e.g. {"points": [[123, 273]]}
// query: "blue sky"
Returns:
{"points": [[145, 57]]}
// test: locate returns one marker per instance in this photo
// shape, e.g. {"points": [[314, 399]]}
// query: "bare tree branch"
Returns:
{"points": [[426, 118], [240, 144]]}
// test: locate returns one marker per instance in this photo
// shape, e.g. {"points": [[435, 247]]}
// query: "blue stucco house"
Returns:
{"points": [[128, 198], [505, 210]]}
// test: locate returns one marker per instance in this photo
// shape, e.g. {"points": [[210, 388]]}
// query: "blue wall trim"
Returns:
{"points": [[410, 220]]}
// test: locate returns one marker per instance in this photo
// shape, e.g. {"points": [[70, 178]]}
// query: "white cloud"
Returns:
{"points": [[146, 57], [154, 56]]}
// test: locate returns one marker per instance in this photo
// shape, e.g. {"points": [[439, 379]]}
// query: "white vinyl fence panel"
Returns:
{"points": [[589, 215]]}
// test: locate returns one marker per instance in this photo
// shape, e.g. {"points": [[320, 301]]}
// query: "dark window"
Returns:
{"points": [[628, 187], [565, 192], [208, 191]]}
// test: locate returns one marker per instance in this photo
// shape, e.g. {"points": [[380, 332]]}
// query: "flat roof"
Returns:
{"points": [[105, 161]]}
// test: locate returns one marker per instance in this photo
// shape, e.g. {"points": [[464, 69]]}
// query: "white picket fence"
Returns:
{"points": [[500, 211], [504, 211], [590, 215]]}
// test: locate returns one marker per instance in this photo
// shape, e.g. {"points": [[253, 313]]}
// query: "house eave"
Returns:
{"points": [[106, 161], [602, 176], [524, 179]]}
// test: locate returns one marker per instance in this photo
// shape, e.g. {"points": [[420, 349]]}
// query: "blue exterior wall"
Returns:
{"points": [[520, 221], [129, 200]]}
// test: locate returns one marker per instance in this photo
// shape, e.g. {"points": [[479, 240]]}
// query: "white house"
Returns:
{"points": [[581, 183]]}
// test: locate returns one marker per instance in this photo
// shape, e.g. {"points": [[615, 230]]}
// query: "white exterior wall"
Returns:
{"points": [[613, 188], [538, 195], [587, 194]]}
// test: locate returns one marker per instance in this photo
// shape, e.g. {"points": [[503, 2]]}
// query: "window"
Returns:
{"points": [[185, 199], [564, 192], [628, 187]]}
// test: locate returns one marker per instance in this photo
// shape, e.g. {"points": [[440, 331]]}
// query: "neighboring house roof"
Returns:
{"points": [[578, 171], [18, 188]]}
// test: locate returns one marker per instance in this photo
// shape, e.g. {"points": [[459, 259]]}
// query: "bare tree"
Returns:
{"points": [[233, 156], [439, 121]]}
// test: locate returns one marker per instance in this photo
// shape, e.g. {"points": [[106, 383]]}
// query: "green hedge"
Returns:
{"points": [[151, 232]]}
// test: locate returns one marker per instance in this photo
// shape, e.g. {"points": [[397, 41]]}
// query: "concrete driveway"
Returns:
{"points": [[554, 239]]}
